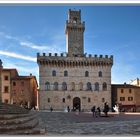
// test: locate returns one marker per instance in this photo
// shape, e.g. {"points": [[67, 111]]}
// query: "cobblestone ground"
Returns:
{"points": [[71, 124]]}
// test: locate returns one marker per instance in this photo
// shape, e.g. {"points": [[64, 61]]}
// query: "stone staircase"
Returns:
{"points": [[12, 109], [18, 121]]}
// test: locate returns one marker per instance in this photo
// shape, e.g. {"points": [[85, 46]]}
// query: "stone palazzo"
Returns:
{"points": [[74, 79]]}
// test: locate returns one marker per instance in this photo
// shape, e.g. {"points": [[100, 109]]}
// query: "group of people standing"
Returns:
{"points": [[96, 112]]}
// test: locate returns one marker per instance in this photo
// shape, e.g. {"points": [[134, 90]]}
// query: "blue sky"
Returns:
{"points": [[110, 30]]}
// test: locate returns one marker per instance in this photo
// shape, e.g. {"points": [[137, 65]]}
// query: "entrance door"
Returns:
{"points": [[76, 103]]}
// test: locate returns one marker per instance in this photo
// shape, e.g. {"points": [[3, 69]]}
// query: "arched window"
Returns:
{"points": [[80, 86], [89, 87], [74, 20], [96, 86], [86, 74], [64, 86], [65, 73], [104, 86], [72, 86], [47, 86], [55, 86], [100, 74], [63, 100], [53, 73]]}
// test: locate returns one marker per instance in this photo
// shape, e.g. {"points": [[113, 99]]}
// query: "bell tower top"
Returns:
{"points": [[74, 16], [75, 34]]}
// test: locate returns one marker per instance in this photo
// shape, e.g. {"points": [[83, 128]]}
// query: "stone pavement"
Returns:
{"points": [[71, 124]]}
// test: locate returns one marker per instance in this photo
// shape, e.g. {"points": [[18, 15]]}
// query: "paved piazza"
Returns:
{"points": [[71, 124]]}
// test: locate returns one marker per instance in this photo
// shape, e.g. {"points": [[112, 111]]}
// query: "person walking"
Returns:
{"points": [[68, 108], [51, 109], [106, 109], [99, 111], [93, 111]]}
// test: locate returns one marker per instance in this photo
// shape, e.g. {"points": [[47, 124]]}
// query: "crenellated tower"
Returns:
{"points": [[74, 34]]}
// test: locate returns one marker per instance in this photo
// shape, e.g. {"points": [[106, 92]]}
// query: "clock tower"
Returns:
{"points": [[75, 34]]}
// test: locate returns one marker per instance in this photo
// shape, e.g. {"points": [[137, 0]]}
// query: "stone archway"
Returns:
{"points": [[77, 103]]}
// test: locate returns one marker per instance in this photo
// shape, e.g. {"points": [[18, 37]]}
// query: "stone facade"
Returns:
{"points": [[74, 79]]}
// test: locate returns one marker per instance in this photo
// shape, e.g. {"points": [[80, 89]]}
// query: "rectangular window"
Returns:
{"points": [[6, 101], [6, 77], [6, 89], [130, 90], [122, 98], [14, 83], [89, 100], [49, 100], [130, 98], [121, 90]]}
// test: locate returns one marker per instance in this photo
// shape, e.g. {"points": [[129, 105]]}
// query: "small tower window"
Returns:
{"points": [[89, 86], [64, 86], [104, 86], [72, 86], [74, 20], [80, 86], [65, 73], [53, 73], [100, 74], [47, 86], [55, 86], [86, 74], [96, 86]]}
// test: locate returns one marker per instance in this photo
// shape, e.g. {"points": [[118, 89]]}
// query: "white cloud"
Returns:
{"points": [[33, 46], [20, 56], [7, 36], [55, 47]]}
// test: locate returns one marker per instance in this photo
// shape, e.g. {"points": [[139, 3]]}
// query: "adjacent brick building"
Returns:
{"points": [[126, 96], [15, 89]]}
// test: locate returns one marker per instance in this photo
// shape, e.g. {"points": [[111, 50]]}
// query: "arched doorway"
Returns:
{"points": [[77, 103]]}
